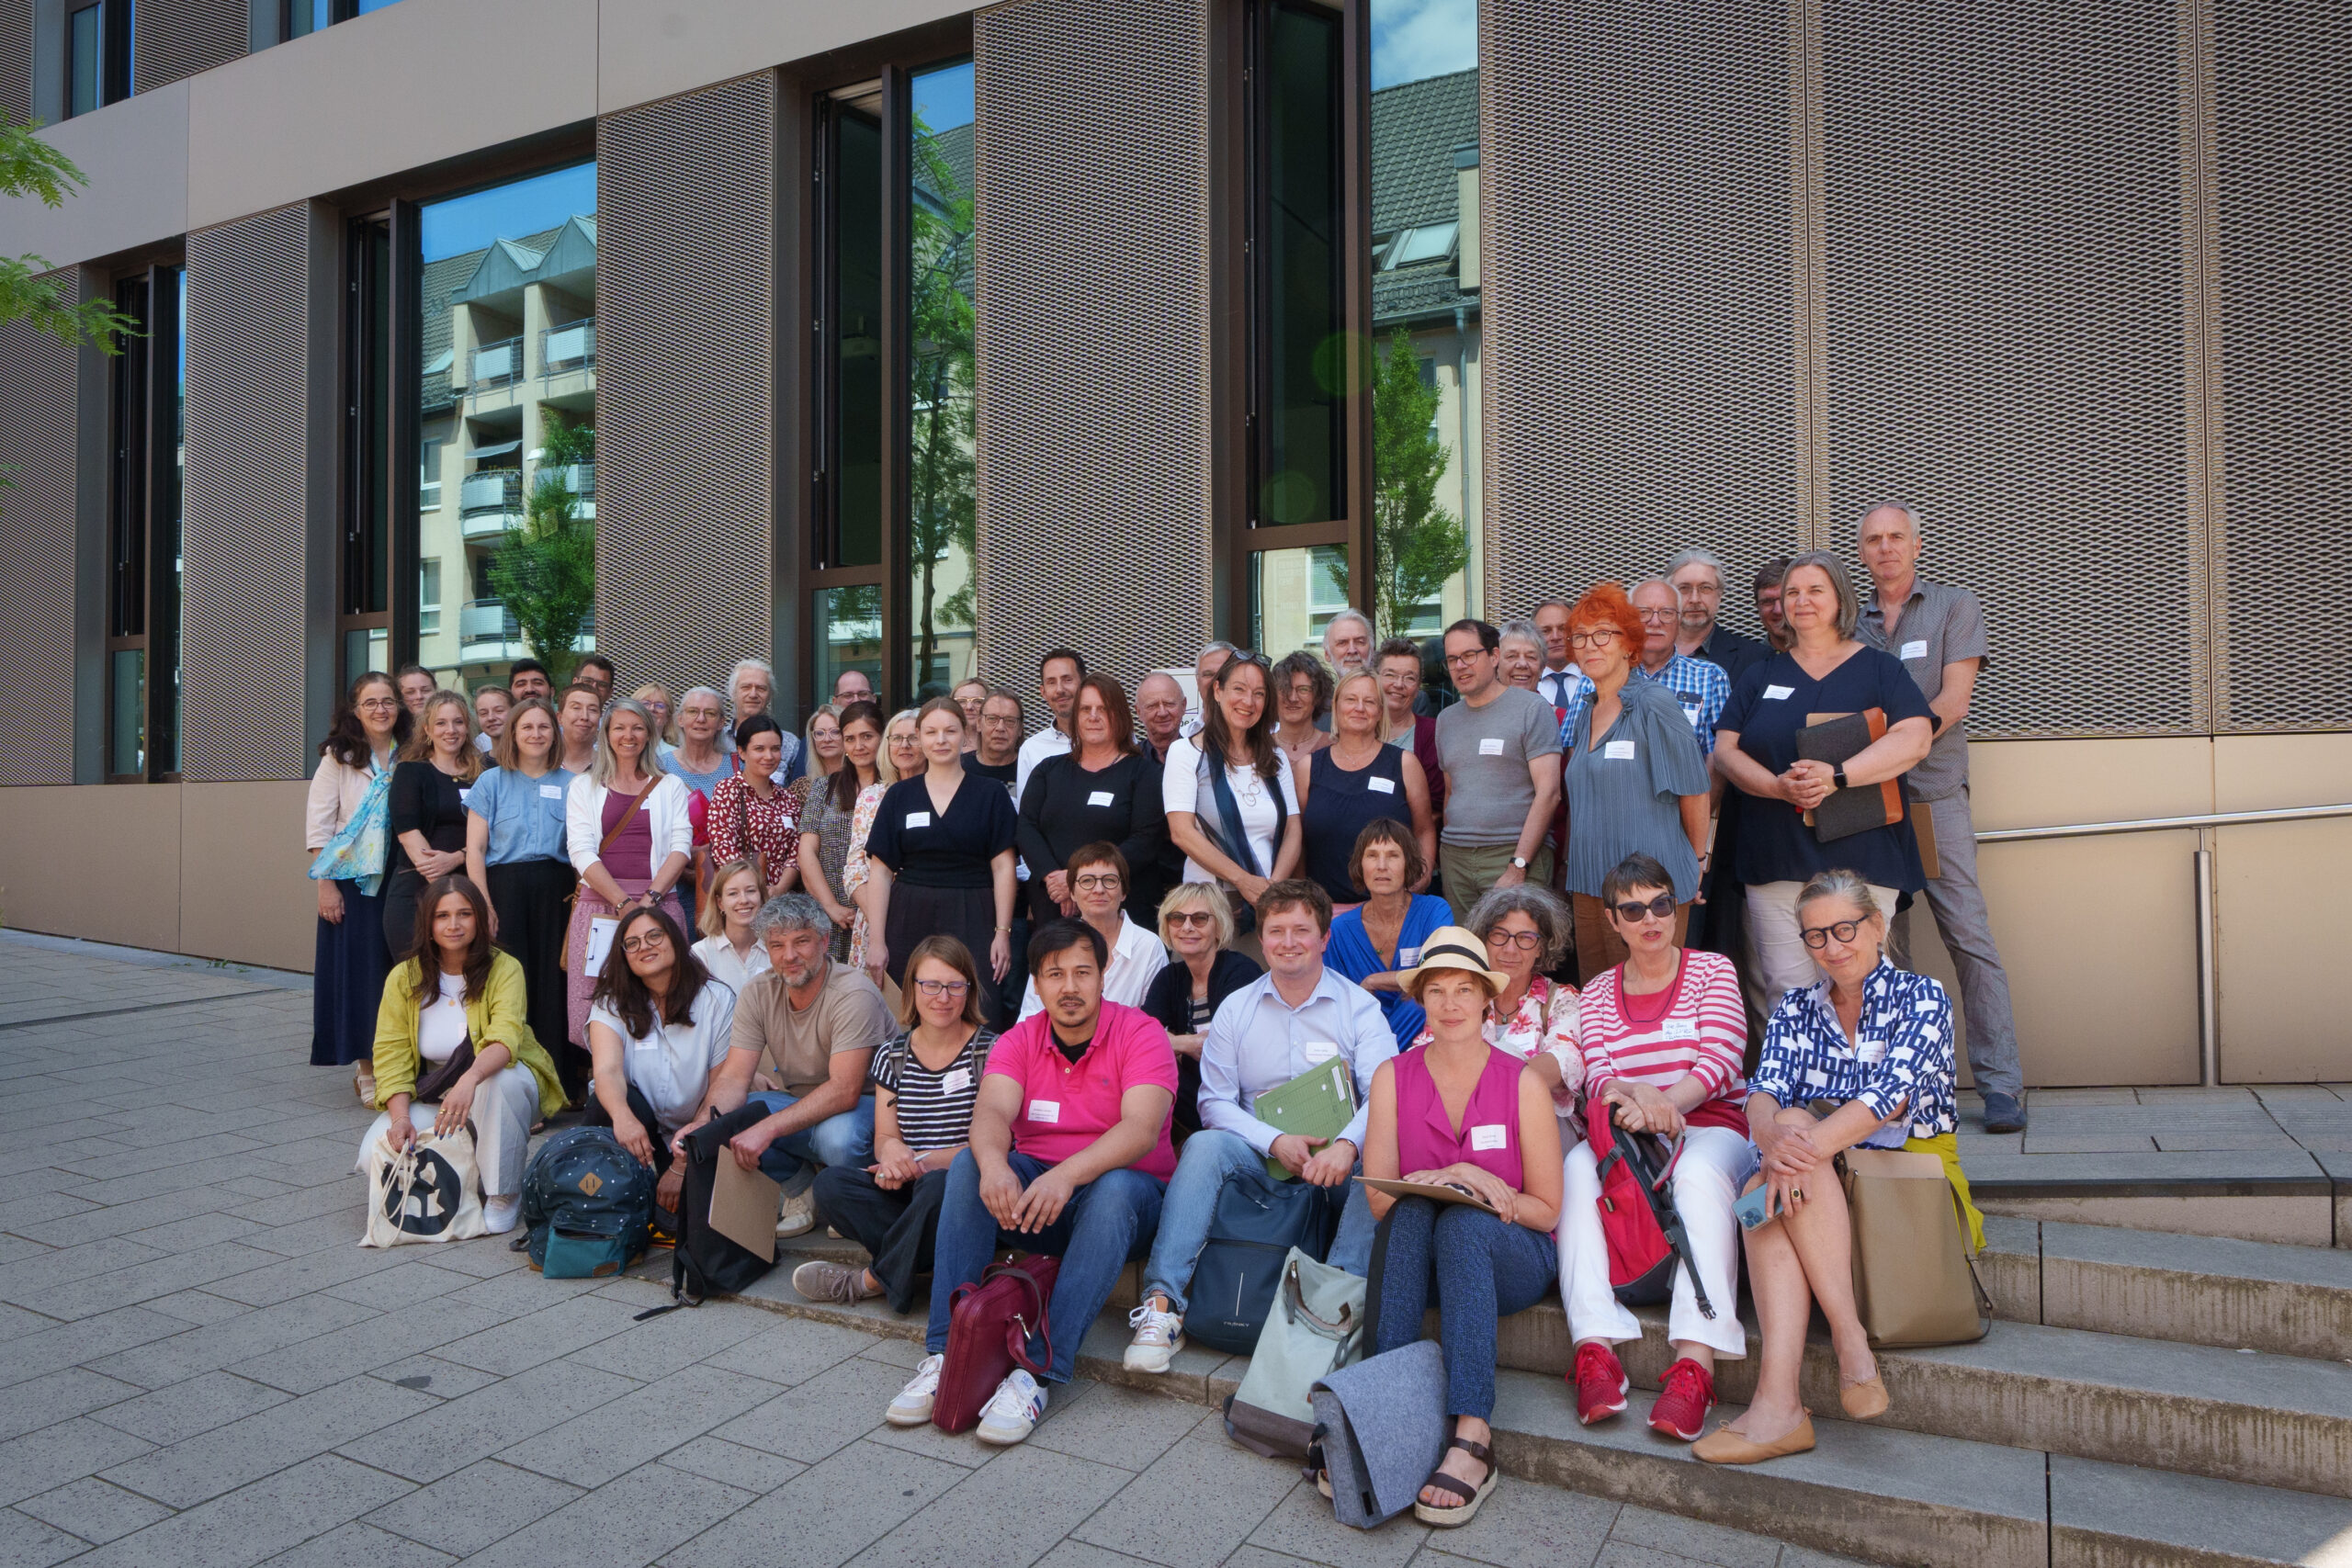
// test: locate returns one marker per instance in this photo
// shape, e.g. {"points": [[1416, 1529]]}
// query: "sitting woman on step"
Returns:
{"points": [[1864, 1057]]}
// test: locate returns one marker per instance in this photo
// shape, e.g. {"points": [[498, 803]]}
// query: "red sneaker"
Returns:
{"points": [[1684, 1401], [1600, 1379]]}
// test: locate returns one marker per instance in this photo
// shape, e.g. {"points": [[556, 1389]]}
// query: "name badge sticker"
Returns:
{"points": [[1047, 1111], [1408, 956], [550, 792], [1491, 1136], [1319, 1052], [1682, 1027], [918, 818], [1100, 797], [955, 1080], [1871, 1051], [1618, 750], [1492, 746], [1779, 694], [465, 797], [1381, 786], [1915, 649]]}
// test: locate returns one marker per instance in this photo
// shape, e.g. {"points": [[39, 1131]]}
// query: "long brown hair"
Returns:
{"points": [[619, 988], [956, 956], [506, 751], [346, 740], [1257, 746], [480, 954], [844, 785], [420, 745], [1114, 708]]}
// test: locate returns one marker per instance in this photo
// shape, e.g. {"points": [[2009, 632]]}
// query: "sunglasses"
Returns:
{"points": [[1192, 918], [1817, 937], [1660, 908]]}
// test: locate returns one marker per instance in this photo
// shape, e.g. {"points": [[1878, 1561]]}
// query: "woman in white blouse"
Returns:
{"points": [[728, 949], [628, 835], [658, 1025], [1245, 833]]}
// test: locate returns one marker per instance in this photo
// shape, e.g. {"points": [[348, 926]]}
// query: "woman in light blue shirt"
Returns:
{"points": [[1377, 940], [514, 850]]}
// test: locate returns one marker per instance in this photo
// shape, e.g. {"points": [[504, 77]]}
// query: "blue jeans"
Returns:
{"points": [[1482, 1269], [843, 1139], [1106, 1223], [1210, 1158]]}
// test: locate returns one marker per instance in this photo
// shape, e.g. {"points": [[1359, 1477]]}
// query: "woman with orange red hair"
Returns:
{"points": [[1632, 774]]}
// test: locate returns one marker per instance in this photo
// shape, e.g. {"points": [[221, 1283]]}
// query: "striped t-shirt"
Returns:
{"points": [[1699, 1027], [934, 1108]]}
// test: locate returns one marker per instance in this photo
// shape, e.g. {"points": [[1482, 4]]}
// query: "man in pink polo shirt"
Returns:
{"points": [[1068, 1155]]}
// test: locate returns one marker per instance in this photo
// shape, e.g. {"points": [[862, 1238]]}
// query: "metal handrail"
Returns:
{"points": [[2209, 996]]}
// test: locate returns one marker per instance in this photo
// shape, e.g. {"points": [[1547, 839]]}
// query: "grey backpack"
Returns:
{"points": [[1381, 1427]]}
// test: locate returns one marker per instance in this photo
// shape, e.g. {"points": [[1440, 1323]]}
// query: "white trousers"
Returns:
{"points": [[1716, 1163], [1780, 953], [505, 1108]]}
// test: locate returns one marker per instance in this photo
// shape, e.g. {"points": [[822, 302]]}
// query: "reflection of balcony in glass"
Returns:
{"points": [[490, 502], [487, 631]]}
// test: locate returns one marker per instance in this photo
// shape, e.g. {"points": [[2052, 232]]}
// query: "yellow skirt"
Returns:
{"points": [[1945, 1147]]}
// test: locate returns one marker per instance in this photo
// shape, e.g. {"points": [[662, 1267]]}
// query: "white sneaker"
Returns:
{"points": [[799, 1214], [499, 1215], [912, 1407], [1159, 1335], [1013, 1411]]}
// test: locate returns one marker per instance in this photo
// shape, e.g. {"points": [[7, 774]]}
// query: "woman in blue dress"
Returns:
{"points": [[1377, 940]]}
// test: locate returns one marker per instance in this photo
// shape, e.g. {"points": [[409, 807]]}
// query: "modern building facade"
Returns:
{"points": [[923, 339]]}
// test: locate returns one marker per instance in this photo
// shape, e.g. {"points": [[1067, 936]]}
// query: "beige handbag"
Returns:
{"points": [[1914, 1284]]}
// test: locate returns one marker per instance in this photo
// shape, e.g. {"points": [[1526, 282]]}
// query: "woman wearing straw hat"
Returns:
{"points": [[1456, 1112]]}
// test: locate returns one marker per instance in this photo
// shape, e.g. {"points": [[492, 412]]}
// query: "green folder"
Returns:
{"points": [[1317, 1103]]}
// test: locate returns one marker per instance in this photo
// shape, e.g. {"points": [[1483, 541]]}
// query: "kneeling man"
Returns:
{"points": [[1068, 1155], [1295, 1016]]}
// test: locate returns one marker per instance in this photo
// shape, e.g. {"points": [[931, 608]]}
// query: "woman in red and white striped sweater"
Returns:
{"points": [[1660, 1038]]}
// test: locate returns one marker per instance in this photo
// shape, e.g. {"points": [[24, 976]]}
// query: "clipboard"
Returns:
{"points": [[744, 1205], [1433, 1191]]}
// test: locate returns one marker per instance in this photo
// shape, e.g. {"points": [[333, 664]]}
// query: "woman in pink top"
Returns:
{"points": [[1660, 1039], [1458, 1112]]}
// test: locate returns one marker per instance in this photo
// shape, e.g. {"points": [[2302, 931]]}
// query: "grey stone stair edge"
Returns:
{"points": [[1874, 1493]]}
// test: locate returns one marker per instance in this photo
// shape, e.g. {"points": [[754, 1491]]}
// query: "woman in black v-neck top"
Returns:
{"points": [[1105, 790], [933, 871], [425, 812]]}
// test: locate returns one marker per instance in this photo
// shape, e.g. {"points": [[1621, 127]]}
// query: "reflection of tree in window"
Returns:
{"points": [[1416, 542], [940, 527]]}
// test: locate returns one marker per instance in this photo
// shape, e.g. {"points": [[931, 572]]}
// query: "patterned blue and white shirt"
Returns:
{"points": [[1902, 1051], [1701, 688]]}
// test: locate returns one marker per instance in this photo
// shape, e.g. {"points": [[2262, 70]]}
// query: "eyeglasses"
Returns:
{"points": [[1192, 918], [941, 988], [1658, 909], [1655, 615], [1817, 937], [1105, 882], [379, 705], [1526, 942], [1593, 639], [645, 944], [1465, 657]]}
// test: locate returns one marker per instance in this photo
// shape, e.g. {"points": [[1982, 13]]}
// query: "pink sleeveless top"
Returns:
{"points": [[1426, 1140], [629, 857]]}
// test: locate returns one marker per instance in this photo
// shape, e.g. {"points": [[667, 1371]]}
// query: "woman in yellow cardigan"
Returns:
{"points": [[473, 996]]}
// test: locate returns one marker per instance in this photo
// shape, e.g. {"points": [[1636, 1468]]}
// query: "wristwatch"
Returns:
{"points": [[1837, 777], [1518, 862]]}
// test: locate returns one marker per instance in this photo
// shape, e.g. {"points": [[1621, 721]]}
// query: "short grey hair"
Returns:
{"points": [[1850, 608], [1659, 582], [1695, 556], [791, 912], [1538, 903], [1520, 631], [1904, 507], [1839, 882], [649, 762], [1347, 614], [1218, 646], [713, 692]]}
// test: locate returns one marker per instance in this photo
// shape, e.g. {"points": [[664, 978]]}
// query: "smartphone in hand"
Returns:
{"points": [[1754, 1209]]}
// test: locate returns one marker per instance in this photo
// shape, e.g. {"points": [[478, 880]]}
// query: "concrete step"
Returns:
{"points": [[2288, 1195], [1871, 1491]]}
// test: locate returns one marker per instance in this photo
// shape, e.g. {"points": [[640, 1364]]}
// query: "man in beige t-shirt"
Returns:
{"points": [[804, 1034]]}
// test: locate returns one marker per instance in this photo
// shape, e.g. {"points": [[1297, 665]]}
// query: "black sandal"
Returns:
{"points": [[1450, 1516]]}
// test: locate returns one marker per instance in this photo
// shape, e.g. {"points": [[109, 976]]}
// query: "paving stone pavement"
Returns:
{"points": [[199, 1368]]}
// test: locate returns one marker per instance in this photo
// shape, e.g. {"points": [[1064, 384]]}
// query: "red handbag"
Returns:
{"points": [[1646, 1241], [989, 1326]]}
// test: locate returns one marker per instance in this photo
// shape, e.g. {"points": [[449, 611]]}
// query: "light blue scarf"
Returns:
{"points": [[357, 854]]}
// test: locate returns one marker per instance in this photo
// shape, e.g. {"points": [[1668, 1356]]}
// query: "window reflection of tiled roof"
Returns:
{"points": [[1416, 127]]}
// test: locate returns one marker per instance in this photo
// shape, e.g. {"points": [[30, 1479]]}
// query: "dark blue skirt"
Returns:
{"points": [[347, 981]]}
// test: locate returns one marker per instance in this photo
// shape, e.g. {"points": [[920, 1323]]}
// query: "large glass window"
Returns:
{"points": [[300, 16], [890, 577], [97, 54], [148, 393], [1425, 317], [505, 403], [364, 609], [1302, 310]]}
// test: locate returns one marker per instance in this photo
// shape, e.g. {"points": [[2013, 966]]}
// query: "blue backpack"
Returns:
{"points": [[589, 1205]]}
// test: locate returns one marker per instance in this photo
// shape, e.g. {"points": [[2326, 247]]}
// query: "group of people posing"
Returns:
{"points": [[995, 991]]}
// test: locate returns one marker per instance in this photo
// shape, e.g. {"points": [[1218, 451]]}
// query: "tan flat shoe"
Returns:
{"points": [[1724, 1446], [1862, 1401]]}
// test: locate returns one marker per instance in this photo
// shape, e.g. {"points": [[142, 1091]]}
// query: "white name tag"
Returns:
{"points": [[1044, 1110], [1408, 956], [1778, 694], [465, 797], [1491, 746], [918, 818], [1915, 649], [550, 792], [1100, 797], [1871, 1051], [1319, 1052], [955, 1080], [1381, 786], [1681, 1028], [1618, 750], [1491, 1136]]}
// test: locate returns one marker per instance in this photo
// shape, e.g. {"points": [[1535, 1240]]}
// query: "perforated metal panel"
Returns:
{"points": [[1641, 391], [17, 59], [38, 422], [2006, 276], [1093, 351], [686, 415], [248, 461], [179, 38], [2282, 208]]}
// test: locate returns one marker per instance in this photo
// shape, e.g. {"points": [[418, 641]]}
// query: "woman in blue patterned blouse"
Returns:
{"points": [[1871, 1045]]}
